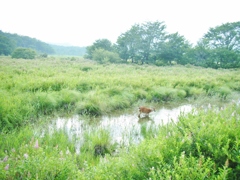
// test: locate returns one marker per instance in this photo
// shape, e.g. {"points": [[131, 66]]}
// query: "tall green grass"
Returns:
{"points": [[26, 154], [200, 146], [34, 88]]}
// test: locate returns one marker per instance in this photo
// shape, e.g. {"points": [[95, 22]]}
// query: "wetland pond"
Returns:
{"points": [[124, 128]]}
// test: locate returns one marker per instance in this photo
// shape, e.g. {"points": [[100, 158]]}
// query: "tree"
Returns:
{"points": [[128, 43], [100, 43], [225, 58], [226, 36], [174, 49], [198, 56], [223, 43], [6, 45], [25, 53], [153, 36], [141, 41]]}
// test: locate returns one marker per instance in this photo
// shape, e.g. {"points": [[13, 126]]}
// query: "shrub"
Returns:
{"points": [[104, 56], [24, 53]]}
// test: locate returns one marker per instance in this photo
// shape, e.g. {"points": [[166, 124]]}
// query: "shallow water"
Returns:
{"points": [[123, 128]]}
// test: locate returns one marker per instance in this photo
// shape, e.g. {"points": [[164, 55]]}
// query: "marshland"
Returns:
{"points": [[41, 98]]}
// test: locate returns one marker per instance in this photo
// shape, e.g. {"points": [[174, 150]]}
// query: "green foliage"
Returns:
{"points": [[30, 157], [31, 89], [104, 44], [219, 48], [104, 56], [6, 46], [24, 53], [225, 36], [142, 41], [149, 43], [201, 145], [27, 42], [174, 49]]}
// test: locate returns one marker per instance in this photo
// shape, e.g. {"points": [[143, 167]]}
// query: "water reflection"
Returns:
{"points": [[124, 129]]}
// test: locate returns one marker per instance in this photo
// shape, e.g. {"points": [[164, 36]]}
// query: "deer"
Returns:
{"points": [[145, 110]]}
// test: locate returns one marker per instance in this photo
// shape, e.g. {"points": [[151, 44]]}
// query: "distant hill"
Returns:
{"points": [[27, 42], [69, 50], [15, 40]]}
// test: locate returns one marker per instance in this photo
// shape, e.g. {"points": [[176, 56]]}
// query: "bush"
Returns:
{"points": [[104, 56], [24, 53]]}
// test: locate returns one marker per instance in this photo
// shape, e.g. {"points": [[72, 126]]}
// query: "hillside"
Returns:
{"points": [[8, 42], [27, 42]]}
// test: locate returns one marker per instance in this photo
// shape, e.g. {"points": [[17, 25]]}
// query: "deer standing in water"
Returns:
{"points": [[145, 110]]}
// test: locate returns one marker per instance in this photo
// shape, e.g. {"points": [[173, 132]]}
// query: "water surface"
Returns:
{"points": [[123, 128]]}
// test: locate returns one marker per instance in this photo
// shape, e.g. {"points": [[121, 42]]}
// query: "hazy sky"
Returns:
{"points": [[81, 22]]}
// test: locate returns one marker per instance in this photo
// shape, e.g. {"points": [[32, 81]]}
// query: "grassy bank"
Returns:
{"points": [[32, 88]]}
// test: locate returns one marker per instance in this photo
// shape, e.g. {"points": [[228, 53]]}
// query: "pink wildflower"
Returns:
{"points": [[6, 167], [36, 145]]}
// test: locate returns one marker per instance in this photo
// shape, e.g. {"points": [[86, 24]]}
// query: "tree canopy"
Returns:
{"points": [[226, 36], [149, 43], [6, 45], [104, 44], [219, 47]]}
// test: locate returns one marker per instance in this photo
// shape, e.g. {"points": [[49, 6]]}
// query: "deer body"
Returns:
{"points": [[145, 110]]}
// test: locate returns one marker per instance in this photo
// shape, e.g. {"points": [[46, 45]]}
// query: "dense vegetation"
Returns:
{"points": [[202, 145], [32, 88], [24, 53], [9, 42], [14, 41], [150, 43]]}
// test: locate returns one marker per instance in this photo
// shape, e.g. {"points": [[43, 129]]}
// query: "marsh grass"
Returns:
{"points": [[199, 146], [30, 89], [203, 145], [29, 155], [96, 145], [149, 131]]}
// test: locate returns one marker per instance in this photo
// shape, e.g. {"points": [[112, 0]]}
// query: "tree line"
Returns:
{"points": [[150, 43]]}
